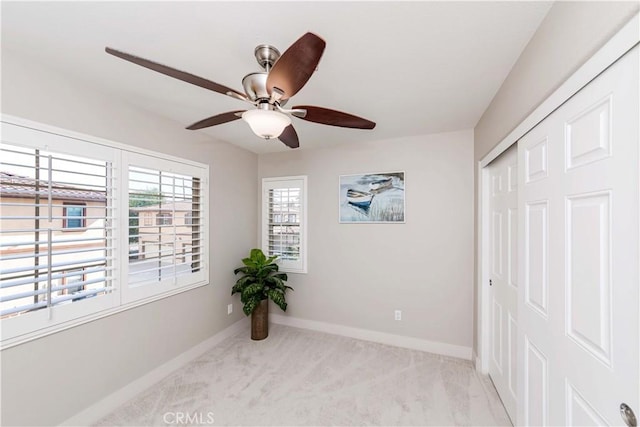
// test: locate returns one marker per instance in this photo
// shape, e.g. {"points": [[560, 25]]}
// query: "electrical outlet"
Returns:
{"points": [[398, 315], [230, 309]]}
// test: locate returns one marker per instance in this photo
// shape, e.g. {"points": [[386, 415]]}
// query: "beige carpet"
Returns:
{"points": [[300, 378]]}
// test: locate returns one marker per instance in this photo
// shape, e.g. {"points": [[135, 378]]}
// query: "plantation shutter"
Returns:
{"points": [[56, 233], [165, 230], [70, 230], [284, 216]]}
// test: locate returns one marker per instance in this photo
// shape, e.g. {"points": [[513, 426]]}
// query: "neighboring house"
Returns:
{"points": [[77, 243], [163, 229]]}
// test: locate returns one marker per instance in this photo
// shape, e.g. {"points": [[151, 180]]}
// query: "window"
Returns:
{"points": [[73, 215], [169, 252], [148, 218], [51, 184], [36, 252], [284, 221], [164, 218]]}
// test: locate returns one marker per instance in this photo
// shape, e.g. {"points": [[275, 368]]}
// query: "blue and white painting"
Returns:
{"points": [[372, 198]]}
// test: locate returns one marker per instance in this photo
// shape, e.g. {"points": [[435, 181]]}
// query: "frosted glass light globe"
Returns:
{"points": [[266, 124]]}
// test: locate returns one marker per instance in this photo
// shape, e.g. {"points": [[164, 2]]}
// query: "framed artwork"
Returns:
{"points": [[372, 198]]}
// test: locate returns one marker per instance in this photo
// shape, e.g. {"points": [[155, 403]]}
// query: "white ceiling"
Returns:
{"points": [[412, 67]]}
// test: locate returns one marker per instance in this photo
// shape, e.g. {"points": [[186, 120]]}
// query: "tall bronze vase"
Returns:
{"points": [[260, 321]]}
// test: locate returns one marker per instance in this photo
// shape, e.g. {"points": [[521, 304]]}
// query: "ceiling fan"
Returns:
{"points": [[268, 91]]}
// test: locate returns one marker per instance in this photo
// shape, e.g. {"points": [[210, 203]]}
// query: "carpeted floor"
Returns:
{"points": [[298, 377]]}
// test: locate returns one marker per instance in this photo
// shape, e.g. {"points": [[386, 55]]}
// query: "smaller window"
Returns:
{"points": [[147, 219], [74, 215], [164, 218], [284, 205], [188, 218]]}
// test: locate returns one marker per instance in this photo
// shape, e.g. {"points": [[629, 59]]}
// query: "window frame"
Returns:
{"points": [[188, 219], [164, 218], [147, 219], [39, 323], [66, 217], [300, 182], [143, 290]]}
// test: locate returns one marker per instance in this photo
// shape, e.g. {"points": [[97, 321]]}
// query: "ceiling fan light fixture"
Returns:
{"points": [[266, 124], [269, 90]]}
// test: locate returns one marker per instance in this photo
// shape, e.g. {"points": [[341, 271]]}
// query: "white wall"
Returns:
{"points": [[569, 35], [360, 273], [70, 370]]}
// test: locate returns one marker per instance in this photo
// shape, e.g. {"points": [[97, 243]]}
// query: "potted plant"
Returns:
{"points": [[260, 282]]}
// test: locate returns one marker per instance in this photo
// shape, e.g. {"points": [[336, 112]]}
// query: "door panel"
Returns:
{"points": [[513, 360], [579, 411], [512, 249], [504, 266], [588, 283], [536, 260], [579, 223], [536, 386], [498, 335]]}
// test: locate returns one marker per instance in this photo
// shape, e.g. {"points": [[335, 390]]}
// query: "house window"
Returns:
{"points": [[74, 215], [147, 219], [164, 218], [38, 258], [284, 202], [169, 253], [51, 183]]}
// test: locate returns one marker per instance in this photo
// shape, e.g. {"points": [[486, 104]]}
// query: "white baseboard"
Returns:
{"points": [[379, 337], [110, 403]]}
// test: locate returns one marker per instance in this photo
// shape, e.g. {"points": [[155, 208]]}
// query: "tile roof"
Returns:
{"points": [[12, 185]]}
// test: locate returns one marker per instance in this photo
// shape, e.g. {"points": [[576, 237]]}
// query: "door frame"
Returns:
{"points": [[615, 48]]}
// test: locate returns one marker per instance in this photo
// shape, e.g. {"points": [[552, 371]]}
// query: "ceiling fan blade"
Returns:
{"points": [[289, 137], [216, 120], [326, 116], [177, 74], [295, 66]]}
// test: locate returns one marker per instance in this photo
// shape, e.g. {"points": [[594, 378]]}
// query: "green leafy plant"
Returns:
{"points": [[261, 280]]}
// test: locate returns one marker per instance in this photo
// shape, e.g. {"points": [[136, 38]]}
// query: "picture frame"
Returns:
{"points": [[372, 198]]}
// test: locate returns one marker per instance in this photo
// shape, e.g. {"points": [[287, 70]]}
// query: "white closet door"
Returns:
{"points": [[579, 237], [503, 292]]}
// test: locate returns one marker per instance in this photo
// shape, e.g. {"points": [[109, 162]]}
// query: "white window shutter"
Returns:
{"points": [[284, 221]]}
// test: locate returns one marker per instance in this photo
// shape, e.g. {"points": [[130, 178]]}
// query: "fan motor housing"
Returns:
{"points": [[255, 85]]}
